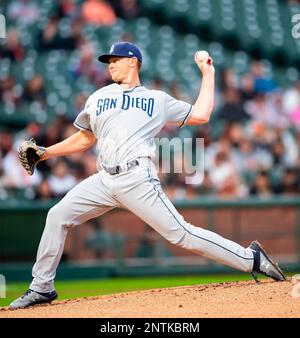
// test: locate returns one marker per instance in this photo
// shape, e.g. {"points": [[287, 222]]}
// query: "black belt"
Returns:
{"points": [[121, 168]]}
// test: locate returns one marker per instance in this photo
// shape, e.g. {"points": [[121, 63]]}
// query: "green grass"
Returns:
{"points": [[85, 288]]}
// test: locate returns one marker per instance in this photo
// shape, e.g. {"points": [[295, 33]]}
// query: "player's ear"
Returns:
{"points": [[133, 62]]}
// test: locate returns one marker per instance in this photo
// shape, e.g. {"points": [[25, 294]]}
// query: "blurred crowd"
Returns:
{"points": [[251, 143]]}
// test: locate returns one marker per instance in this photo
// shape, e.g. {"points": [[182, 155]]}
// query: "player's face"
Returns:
{"points": [[119, 67]]}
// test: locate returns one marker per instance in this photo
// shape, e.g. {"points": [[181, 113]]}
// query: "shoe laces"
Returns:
{"points": [[26, 293]]}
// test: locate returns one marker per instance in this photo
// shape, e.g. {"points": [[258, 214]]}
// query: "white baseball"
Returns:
{"points": [[202, 55]]}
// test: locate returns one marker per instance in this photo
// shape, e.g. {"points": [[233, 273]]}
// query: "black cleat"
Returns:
{"points": [[264, 264], [30, 298]]}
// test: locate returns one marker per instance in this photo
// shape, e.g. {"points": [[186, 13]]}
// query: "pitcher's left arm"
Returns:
{"points": [[204, 104]]}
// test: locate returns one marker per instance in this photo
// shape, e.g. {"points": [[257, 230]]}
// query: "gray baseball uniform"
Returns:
{"points": [[125, 123]]}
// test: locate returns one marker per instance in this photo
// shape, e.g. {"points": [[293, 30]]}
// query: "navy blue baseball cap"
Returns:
{"points": [[122, 49]]}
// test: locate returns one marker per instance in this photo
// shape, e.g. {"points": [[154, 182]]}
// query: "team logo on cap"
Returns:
{"points": [[130, 53], [111, 49]]}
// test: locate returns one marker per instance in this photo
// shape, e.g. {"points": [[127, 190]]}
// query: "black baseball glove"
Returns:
{"points": [[30, 154]]}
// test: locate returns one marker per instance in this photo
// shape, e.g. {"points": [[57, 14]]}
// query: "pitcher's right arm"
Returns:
{"points": [[78, 142]]}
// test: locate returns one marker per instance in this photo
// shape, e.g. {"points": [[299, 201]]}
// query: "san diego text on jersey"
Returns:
{"points": [[144, 103]]}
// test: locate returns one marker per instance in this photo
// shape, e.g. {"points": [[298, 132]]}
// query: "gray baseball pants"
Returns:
{"points": [[138, 190]]}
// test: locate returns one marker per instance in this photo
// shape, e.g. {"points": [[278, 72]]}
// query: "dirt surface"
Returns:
{"points": [[238, 299]]}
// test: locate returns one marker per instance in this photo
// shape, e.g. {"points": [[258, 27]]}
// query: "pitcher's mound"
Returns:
{"points": [[238, 299]]}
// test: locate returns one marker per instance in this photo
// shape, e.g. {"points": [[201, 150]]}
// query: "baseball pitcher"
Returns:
{"points": [[123, 119]]}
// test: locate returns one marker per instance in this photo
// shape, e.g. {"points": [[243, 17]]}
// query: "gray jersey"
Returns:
{"points": [[125, 122]]}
